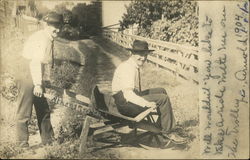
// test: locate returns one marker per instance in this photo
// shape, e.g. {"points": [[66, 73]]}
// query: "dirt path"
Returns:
{"points": [[106, 64]]}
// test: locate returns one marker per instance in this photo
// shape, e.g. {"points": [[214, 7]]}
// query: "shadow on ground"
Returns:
{"points": [[117, 139]]}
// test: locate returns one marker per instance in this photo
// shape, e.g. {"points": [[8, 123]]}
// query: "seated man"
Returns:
{"points": [[130, 102]]}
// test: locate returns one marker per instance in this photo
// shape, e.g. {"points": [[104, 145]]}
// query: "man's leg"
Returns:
{"points": [[130, 109], [43, 118], [166, 116], [24, 109], [127, 108]]}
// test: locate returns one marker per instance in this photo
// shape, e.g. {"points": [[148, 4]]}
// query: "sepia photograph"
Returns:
{"points": [[124, 79]]}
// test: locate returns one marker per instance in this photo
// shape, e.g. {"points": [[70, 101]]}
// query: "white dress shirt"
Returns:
{"points": [[125, 79], [37, 48]]}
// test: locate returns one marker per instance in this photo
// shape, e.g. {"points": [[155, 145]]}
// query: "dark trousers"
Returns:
{"points": [[166, 118], [25, 101]]}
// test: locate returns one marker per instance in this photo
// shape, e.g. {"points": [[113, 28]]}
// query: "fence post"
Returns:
{"points": [[157, 56], [156, 64]]}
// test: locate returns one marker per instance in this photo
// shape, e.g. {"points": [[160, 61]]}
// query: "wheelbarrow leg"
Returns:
{"points": [[84, 136]]}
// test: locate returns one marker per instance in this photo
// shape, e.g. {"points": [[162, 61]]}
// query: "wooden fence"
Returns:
{"points": [[181, 60]]}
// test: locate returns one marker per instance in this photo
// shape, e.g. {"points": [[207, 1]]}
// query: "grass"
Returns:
{"points": [[69, 150], [9, 150], [184, 97]]}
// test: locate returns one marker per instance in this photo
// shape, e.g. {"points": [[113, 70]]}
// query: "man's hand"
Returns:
{"points": [[151, 104], [38, 91]]}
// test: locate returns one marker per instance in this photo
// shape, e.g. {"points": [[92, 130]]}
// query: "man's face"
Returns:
{"points": [[140, 59]]}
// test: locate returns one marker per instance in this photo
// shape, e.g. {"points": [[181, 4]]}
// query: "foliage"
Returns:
{"points": [[183, 31], [143, 13], [84, 19], [70, 150], [9, 150], [63, 74], [174, 21], [66, 150], [88, 17], [71, 126], [79, 79], [71, 123], [69, 32], [8, 88]]}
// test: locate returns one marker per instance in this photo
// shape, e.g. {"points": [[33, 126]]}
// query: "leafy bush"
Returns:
{"points": [[71, 126], [81, 21], [183, 31], [63, 74], [172, 21], [77, 78], [8, 88]]}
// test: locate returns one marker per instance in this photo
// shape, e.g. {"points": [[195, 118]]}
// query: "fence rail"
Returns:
{"points": [[179, 59]]}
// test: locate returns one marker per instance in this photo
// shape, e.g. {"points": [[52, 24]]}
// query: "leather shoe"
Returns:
{"points": [[175, 138], [23, 144], [49, 142]]}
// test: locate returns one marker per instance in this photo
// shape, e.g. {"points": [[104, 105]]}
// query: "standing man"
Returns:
{"points": [[37, 51], [131, 102]]}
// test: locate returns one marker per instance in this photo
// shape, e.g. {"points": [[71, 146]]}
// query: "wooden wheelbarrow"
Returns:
{"points": [[101, 106], [104, 105]]}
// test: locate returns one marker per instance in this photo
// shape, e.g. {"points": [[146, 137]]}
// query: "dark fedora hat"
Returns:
{"points": [[139, 46], [53, 18]]}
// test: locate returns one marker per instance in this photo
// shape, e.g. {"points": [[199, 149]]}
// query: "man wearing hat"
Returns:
{"points": [[37, 51], [131, 102]]}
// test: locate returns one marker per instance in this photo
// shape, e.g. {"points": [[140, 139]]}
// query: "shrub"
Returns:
{"points": [[8, 88], [76, 78], [172, 21]]}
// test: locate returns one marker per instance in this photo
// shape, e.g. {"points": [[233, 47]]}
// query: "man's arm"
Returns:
{"points": [[36, 73], [34, 51], [130, 96]]}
